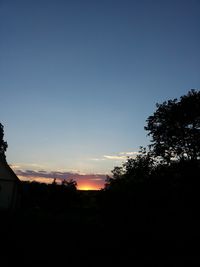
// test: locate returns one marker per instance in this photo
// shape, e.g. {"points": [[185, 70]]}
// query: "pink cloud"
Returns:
{"points": [[93, 181]]}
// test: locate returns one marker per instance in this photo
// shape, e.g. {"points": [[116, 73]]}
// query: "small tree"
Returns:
{"points": [[3, 144], [139, 168], [175, 128], [133, 171], [70, 184]]}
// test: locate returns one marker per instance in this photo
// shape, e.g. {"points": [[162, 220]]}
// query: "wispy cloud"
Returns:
{"points": [[115, 157], [133, 153], [121, 155], [96, 179], [15, 166], [97, 159], [26, 166]]}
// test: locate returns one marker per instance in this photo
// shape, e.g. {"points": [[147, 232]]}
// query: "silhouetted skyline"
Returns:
{"points": [[79, 78]]}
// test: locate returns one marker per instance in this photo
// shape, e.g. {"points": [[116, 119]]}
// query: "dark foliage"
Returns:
{"points": [[147, 214], [3, 144], [175, 128], [53, 197], [155, 196]]}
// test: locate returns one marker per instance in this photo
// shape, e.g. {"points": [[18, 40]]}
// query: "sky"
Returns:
{"points": [[78, 79]]}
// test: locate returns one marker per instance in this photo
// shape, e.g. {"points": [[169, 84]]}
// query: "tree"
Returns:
{"points": [[114, 182], [3, 144], [139, 168], [175, 128], [133, 171], [70, 184]]}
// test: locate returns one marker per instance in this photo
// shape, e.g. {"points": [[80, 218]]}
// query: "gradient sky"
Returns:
{"points": [[79, 78]]}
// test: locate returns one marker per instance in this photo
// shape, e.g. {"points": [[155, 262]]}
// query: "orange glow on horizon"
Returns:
{"points": [[81, 185], [88, 187]]}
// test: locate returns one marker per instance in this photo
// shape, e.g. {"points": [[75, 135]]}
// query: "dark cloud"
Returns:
{"points": [[31, 174]]}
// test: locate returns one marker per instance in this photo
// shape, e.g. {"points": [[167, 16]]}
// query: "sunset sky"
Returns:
{"points": [[78, 79]]}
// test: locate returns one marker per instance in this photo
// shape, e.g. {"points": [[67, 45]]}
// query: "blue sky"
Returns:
{"points": [[78, 78]]}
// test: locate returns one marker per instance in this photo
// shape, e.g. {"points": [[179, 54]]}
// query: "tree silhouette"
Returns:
{"points": [[139, 168], [175, 128], [3, 144], [70, 184], [133, 171]]}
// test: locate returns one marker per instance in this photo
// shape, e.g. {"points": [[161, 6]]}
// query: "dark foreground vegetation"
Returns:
{"points": [[148, 213]]}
